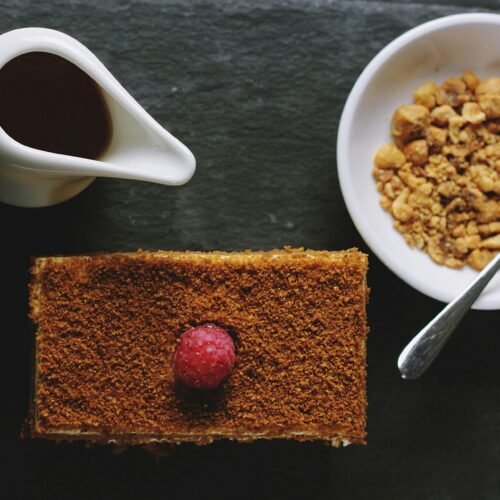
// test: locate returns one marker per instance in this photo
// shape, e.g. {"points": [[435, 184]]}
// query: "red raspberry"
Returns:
{"points": [[204, 357]]}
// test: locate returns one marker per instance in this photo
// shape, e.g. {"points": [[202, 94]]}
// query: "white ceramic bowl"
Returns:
{"points": [[430, 52]]}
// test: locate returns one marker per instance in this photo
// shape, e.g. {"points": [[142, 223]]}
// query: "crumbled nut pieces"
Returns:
{"points": [[440, 181], [409, 122], [389, 156]]}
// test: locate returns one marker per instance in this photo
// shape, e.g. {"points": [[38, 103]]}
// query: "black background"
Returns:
{"points": [[255, 89]]}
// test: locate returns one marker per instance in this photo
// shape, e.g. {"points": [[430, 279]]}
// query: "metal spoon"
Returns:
{"points": [[419, 354]]}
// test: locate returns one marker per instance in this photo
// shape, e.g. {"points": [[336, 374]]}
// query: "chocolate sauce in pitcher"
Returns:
{"points": [[48, 103]]}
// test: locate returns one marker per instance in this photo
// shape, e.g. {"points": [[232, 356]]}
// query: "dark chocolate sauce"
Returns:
{"points": [[48, 103]]}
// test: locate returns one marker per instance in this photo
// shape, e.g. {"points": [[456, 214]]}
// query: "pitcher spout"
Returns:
{"points": [[141, 149]]}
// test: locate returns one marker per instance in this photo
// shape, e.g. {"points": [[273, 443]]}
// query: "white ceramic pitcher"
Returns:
{"points": [[139, 148]]}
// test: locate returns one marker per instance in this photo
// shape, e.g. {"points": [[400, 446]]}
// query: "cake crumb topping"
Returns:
{"points": [[109, 324]]}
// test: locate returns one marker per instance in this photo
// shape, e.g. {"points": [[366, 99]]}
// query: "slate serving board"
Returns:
{"points": [[255, 89]]}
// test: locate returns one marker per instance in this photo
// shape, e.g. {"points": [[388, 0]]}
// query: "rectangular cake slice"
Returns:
{"points": [[108, 326]]}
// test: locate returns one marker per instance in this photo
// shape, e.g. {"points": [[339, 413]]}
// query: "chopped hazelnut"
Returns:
{"points": [[417, 152], [490, 104], [489, 211], [461, 246], [448, 189], [441, 115], [436, 252], [426, 95], [488, 86], [400, 208], [491, 228], [436, 137], [454, 128], [471, 80], [385, 203], [472, 241], [472, 113], [389, 156], [454, 263], [409, 122], [492, 243], [472, 228], [478, 259], [455, 91]]}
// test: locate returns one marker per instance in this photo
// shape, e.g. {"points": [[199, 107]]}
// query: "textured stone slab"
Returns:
{"points": [[255, 89]]}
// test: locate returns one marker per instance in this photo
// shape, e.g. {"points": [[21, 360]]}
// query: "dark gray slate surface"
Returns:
{"points": [[256, 90]]}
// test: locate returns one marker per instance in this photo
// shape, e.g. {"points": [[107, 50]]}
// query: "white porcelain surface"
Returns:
{"points": [[430, 52], [140, 148]]}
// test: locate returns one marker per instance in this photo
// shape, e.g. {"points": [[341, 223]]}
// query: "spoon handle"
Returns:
{"points": [[418, 355]]}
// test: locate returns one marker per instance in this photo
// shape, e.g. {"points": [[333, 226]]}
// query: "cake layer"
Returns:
{"points": [[108, 326]]}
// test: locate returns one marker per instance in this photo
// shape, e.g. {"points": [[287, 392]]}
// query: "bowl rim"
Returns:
{"points": [[354, 207]]}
